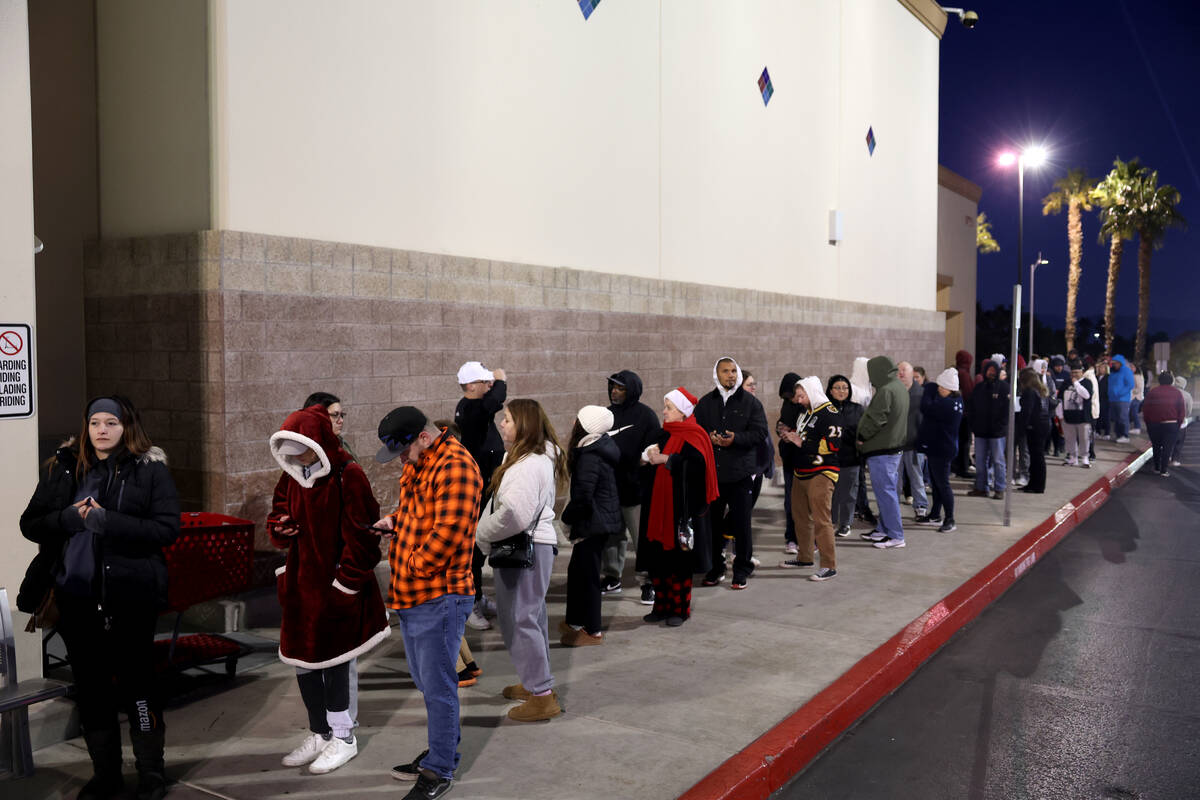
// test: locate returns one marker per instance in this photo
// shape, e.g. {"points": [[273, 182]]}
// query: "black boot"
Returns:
{"points": [[104, 746], [148, 757]]}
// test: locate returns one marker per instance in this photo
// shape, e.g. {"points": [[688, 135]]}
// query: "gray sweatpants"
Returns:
{"points": [[521, 612], [612, 559]]}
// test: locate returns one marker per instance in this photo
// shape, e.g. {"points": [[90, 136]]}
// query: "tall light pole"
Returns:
{"points": [[1034, 157], [1032, 272]]}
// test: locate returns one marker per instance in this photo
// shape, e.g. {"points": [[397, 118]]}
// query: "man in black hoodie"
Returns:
{"points": [[989, 423], [635, 427], [789, 413], [736, 424]]}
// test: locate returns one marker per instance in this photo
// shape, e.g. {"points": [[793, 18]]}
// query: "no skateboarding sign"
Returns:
{"points": [[16, 371]]}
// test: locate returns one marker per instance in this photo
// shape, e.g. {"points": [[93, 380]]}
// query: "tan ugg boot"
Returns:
{"points": [[516, 692], [536, 709], [580, 638]]}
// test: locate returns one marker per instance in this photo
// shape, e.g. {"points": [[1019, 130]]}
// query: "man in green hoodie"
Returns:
{"points": [[881, 436]]}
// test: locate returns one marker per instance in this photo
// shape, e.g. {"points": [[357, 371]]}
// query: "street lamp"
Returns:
{"points": [[1032, 156], [1032, 271]]}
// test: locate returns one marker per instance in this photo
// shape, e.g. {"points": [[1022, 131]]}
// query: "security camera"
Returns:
{"points": [[969, 19]]}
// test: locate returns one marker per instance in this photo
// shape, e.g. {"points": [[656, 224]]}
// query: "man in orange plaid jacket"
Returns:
{"points": [[431, 588]]}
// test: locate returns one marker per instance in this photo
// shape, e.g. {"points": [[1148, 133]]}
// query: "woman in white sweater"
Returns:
{"points": [[523, 489]]}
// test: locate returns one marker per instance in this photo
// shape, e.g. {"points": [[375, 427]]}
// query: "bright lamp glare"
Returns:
{"points": [[1035, 156], [1006, 159]]}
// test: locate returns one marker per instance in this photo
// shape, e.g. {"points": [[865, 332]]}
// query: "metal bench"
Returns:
{"points": [[16, 697]]}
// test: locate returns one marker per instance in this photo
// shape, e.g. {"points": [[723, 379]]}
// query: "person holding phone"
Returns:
{"points": [[332, 608], [106, 507]]}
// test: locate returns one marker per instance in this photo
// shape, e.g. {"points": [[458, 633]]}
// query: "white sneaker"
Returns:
{"points": [[1122, 440], [1135, 430], [1176, 464], [478, 621], [755, 561], [889, 543], [337, 753], [791, 548], [309, 750]]}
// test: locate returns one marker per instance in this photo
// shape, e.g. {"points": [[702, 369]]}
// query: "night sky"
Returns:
{"points": [[1093, 81]]}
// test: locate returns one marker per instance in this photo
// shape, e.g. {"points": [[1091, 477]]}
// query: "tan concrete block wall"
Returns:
{"points": [[217, 368]]}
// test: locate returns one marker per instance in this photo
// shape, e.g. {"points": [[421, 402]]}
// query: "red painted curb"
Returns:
{"points": [[773, 759]]}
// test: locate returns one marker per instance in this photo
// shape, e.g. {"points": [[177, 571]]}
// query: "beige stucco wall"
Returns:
{"points": [[958, 205], [18, 468], [634, 143], [152, 85]]}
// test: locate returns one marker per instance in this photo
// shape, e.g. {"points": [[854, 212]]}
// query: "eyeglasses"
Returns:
{"points": [[337, 414]]}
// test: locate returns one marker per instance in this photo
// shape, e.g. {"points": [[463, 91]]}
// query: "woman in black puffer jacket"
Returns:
{"points": [[593, 514], [102, 514]]}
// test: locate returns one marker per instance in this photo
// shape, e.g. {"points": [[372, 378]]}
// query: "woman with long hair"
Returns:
{"points": [[593, 514], [522, 493], [685, 482], [1033, 425], [105, 509]]}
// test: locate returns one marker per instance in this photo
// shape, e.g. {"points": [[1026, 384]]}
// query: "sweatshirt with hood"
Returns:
{"points": [[1120, 381], [635, 427], [883, 428], [332, 608], [523, 502], [820, 425], [738, 412]]}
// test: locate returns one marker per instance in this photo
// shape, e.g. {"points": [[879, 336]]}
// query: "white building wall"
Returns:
{"points": [[18, 468], [958, 257], [635, 142]]}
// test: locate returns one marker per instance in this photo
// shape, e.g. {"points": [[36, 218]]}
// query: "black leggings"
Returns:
{"points": [[583, 582], [1036, 437], [324, 690], [943, 496], [113, 668]]}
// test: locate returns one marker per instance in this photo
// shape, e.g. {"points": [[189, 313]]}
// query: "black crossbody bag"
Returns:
{"points": [[515, 552]]}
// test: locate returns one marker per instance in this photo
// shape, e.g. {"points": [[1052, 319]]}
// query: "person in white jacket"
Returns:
{"points": [[523, 489]]}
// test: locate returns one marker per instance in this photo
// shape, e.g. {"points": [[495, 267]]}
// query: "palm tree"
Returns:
{"points": [[1112, 194], [1153, 211], [1075, 192], [985, 242]]}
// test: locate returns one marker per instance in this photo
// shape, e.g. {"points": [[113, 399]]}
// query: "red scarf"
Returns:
{"points": [[661, 522]]}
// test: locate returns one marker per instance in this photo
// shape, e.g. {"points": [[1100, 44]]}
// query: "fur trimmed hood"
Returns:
{"points": [[311, 428]]}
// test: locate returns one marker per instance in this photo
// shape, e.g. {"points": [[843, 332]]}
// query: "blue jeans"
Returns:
{"points": [[1135, 414], [885, 483], [914, 467], [989, 456], [432, 634], [1118, 415]]}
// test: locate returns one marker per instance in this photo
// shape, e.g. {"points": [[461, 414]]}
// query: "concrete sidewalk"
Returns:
{"points": [[647, 715]]}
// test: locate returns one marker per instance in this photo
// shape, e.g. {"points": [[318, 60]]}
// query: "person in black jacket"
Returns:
{"points": [[846, 491], [989, 423], [937, 438], [736, 424], [1033, 424], [484, 392], [593, 515], [685, 482], [789, 412], [106, 508], [635, 427]]}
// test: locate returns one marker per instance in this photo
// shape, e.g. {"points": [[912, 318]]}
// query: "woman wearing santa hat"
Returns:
{"points": [[676, 540]]}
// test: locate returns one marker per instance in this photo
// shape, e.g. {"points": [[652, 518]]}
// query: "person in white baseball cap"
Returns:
{"points": [[484, 393]]}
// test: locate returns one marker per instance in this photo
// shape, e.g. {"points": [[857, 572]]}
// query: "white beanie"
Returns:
{"points": [[948, 379], [595, 419]]}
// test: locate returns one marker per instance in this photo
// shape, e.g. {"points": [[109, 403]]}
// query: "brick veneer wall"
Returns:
{"points": [[218, 335]]}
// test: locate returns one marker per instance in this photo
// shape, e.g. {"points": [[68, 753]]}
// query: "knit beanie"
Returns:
{"points": [[595, 419], [948, 379], [682, 399]]}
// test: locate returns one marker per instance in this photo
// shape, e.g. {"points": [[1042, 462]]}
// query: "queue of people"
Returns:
{"points": [[470, 491]]}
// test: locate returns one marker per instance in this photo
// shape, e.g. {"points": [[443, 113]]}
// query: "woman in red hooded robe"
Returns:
{"points": [[332, 609]]}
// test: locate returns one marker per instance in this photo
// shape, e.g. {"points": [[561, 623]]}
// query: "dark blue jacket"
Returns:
{"points": [[940, 419]]}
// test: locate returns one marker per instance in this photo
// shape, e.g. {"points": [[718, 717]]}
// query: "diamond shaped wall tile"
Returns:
{"points": [[764, 86]]}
